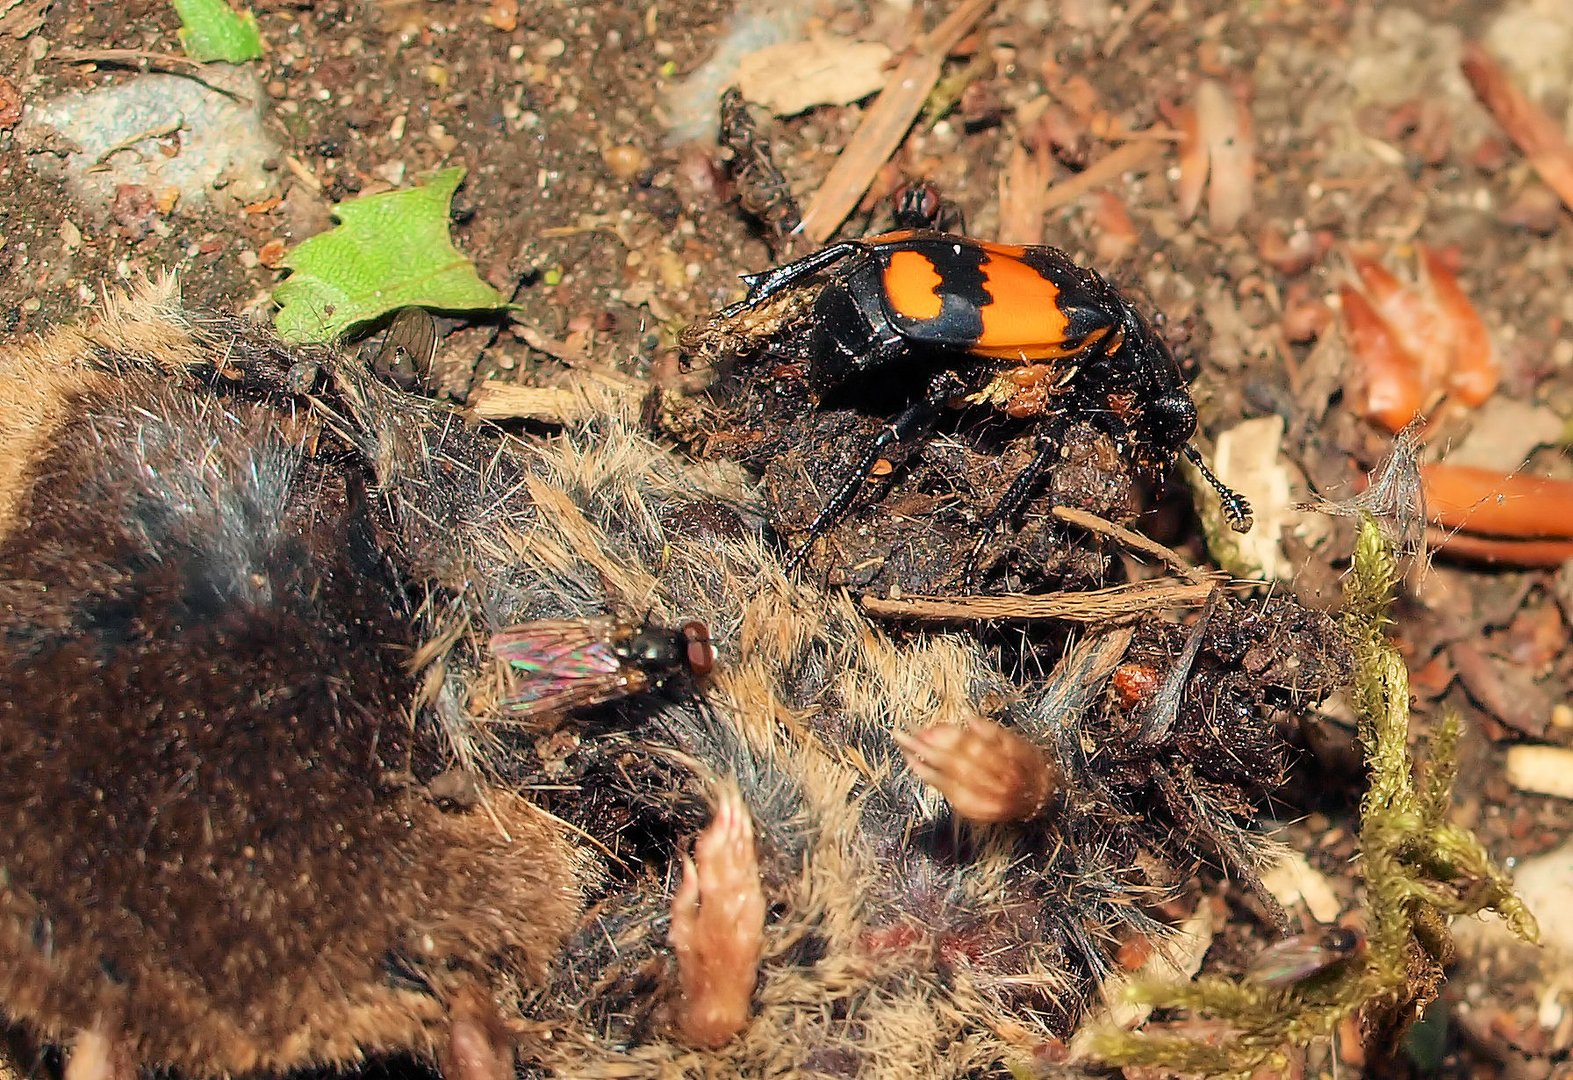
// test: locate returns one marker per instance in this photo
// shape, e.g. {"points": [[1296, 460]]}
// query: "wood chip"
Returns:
{"points": [[796, 76], [1544, 770], [20, 20], [1527, 124], [1224, 126], [886, 122], [1293, 880]]}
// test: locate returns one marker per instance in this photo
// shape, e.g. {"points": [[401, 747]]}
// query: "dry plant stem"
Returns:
{"points": [[1493, 551], [988, 773], [718, 922], [1133, 540], [1483, 501], [1537, 134], [1097, 606], [886, 123], [497, 400], [1106, 170]]}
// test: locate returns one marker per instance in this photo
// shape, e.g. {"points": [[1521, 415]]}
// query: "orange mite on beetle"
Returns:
{"points": [[1021, 329]]}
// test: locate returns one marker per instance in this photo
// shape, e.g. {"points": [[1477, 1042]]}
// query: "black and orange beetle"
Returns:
{"points": [[1020, 329]]}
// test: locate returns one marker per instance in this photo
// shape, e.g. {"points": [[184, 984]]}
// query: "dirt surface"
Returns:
{"points": [[613, 238]]}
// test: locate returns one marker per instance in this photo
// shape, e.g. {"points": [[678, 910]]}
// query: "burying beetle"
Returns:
{"points": [[1020, 329]]}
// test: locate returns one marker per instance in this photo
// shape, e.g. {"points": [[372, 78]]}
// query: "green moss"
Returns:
{"points": [[1421, 871]]}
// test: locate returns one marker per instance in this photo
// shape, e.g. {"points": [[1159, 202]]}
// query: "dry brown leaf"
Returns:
{"points": [[796, 76]]}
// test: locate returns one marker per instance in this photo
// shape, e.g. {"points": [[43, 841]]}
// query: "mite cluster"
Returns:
{"points": [[336, 727]]}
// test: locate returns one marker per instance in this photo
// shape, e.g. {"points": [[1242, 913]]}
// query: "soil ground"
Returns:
{"points": [[1365, 138]]}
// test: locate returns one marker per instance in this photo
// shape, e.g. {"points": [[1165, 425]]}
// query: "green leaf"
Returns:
{"points": [[391, 251], [212, 30]]}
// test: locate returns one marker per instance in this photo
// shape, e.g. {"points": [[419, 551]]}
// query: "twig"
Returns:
{"points": [[1133, 15], [886, 123], [1098, 606], [1538, 135], [1105, 170], [497, 400], [1146, 544], [303, 173], [158, 131], [145, 60]]}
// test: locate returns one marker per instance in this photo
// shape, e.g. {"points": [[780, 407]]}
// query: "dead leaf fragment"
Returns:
{"points": [[1249, 458], [1223, 124], [796, 76], [10, 103], [1526, 123], [1544, 770]]}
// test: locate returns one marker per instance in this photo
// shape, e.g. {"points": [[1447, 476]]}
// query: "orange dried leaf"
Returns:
{"points": [[1386, 385], [1484, 501], [1494, 551], [1473, 373], [1414, 322], [1193, 163]]}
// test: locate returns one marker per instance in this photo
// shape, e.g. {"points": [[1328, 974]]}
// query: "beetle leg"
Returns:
{"points": [[763, 286], [1236, 510], [1050, 433], [913, 421]]}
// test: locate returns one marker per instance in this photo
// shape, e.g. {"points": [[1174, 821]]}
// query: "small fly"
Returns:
{"points": [[404, 358], [1298, 958], [563, 664]]}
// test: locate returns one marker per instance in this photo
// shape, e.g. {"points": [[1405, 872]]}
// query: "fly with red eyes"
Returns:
{"points": [[965, 322], [557, 665]]}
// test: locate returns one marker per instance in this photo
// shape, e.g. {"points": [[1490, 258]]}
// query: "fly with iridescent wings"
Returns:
{"points": [[558, 665]]}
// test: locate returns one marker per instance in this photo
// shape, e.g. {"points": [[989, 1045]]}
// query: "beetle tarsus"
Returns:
{"points": [[1236, 508]]}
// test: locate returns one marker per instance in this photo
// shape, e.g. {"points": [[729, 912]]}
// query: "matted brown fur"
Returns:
{"points": [[217, 848], [901, 942]]}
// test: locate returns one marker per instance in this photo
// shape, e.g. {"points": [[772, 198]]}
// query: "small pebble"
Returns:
{"points": [[625, 161]]}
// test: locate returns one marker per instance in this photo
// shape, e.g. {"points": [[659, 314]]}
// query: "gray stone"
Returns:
{"points": [[221, 139]]}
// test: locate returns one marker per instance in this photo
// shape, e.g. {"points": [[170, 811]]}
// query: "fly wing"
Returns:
{"points": [[560, 665], [1292, 960]]}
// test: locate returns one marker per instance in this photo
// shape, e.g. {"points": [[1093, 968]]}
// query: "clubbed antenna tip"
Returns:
{"points": [[1236, 510]]}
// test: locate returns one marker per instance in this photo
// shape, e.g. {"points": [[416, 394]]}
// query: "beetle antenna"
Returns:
{"points": [[1236, 510]]}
